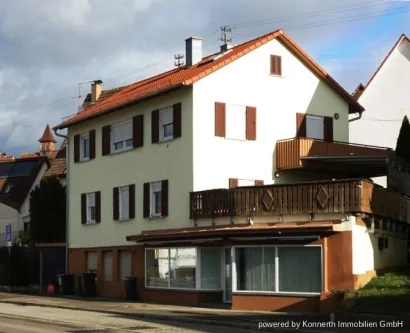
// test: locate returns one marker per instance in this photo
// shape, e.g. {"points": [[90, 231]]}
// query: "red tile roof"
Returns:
{"points": [[47, 135], [186, 76], [58, 165]]}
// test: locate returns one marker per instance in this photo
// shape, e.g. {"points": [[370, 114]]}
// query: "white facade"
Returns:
{"points": [[386, 102]]}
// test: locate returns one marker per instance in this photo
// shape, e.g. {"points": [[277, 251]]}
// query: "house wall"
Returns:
{"points": [[11, 216], [247, 81], [170, 160], [386, 103]]}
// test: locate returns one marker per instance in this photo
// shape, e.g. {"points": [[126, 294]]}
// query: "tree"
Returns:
{"points": [[403, 141], [48, 211]]}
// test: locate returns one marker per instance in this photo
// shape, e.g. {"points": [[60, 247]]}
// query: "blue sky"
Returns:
{"points": [[48, 46]]}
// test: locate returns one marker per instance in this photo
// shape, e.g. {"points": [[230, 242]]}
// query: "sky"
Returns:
{"points": [[48, 47]]}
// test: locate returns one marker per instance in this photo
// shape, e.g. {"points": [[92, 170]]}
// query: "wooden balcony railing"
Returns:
{"points": [[289, 152], [342, 196]]}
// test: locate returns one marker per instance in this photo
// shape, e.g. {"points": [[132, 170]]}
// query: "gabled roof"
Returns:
{"points": [[186, 76], [47, 136], [363, 87], [20, 174], [58, 165]]}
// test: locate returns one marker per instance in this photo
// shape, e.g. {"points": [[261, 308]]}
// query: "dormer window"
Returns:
{"points": [[8, 188]]}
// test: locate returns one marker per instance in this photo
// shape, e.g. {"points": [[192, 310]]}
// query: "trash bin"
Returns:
{"points": [[88, 284], [77, 285], [130, 288], [66, 284]]}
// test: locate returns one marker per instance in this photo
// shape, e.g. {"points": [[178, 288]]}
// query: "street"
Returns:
{"points": [[32, 319]]}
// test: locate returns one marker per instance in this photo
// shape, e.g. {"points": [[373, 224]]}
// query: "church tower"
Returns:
{"points": [[47, 142]]}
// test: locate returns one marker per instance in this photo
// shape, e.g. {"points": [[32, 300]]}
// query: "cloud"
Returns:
{"points": [[49, 46]]}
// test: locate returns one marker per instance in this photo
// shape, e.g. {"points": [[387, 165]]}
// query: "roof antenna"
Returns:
{"points": [[178, 60], [225, 30]]}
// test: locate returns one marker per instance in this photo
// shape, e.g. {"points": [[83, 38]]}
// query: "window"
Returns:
{"points": [[156, 199], [124, 204], [8, 188], [183, 268], [279, 269], [275, 65], [92, 262], [121, 136], [235, 122], [90, 207], [125, 263], [314, 127], [85, 147], [166, 124], [107, 256]]}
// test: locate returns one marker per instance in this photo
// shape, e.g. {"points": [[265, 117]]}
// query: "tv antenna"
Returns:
{"points": [[178, 60], [225, 30]]}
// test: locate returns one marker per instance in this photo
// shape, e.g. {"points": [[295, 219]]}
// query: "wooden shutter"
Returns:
{"points": [[300, 125], [258, 182], [146, 200], [155, 126], [92, 144], [138, 131], [164, 197], [83, 208], [233, 182], [131, 192], [106, 140], [76, 148], [220, 119], [275, 65], [328, 129], [250, 123], [177, 119], [116, 203], [98, 207]]}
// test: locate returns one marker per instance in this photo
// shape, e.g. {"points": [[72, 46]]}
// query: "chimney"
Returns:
{"points": [[226, 47], [96, 88], [193, 51]]}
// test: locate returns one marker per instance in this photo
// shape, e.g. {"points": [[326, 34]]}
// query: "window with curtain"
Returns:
{"points": [[235, 121], [92, 262], [125, 263], [210, 268], [121, 136]]}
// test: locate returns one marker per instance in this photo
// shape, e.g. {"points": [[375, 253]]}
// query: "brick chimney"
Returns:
{"points": [[96, 88], [193, 51]]}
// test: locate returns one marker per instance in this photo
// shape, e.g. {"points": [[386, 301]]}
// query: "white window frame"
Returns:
{"points": [[277, 292], [83, 137], [162, 124], [322, 120], [230, 122], [124, 142], [154, 186], [197, 268], [121, 190], [90, 195]]}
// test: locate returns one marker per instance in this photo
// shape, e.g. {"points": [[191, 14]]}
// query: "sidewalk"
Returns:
{"points": [[156, 312]]}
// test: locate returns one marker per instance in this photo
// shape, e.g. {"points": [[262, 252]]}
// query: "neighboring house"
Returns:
{"points": [[385, 98], [143, 163], [58, 164]]}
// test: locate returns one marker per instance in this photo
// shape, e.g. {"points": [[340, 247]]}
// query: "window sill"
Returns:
{"points": [[116, 152], [90, 223], [166, 140], [275, 293], [236, 139], [154, 217], [276, 75], [124, 220], [85, 160]]}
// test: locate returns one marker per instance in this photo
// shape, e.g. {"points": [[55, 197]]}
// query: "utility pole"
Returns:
{"points": [[178, 60], [225, 30]]}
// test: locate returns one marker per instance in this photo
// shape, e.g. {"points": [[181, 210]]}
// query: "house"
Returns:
{"points": [[225, 181], [385, 99]]}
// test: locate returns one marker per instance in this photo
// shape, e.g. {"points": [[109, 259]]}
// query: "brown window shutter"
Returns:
{"points": [[132, 201], [233, 182], [250, 123], [328, 129], [116, 203], [275, 65], [177, 119], [147, 201], [220, 119], [258, 182], [76, 148], [155, 126], [83, 208], [164, 197], [92, 144], [98, 207], [106, 140], [138, 130], [300, 125]]}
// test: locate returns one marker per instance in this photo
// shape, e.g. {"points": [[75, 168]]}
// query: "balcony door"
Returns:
{"points": [[314, 127]]}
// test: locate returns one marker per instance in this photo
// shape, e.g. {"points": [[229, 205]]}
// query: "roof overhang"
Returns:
{"points": [[69, 123]]}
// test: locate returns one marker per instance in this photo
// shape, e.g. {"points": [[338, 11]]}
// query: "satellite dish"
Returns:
{"points": [[80, 108]]}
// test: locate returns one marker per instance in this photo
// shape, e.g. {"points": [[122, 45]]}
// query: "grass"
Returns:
{"points": [[388, 293]]}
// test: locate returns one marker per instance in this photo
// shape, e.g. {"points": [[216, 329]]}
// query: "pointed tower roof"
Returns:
{"points": [[47, 135]]}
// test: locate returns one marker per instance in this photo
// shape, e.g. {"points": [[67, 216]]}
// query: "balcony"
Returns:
{"points": [[342, 196], [309, 153]]}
